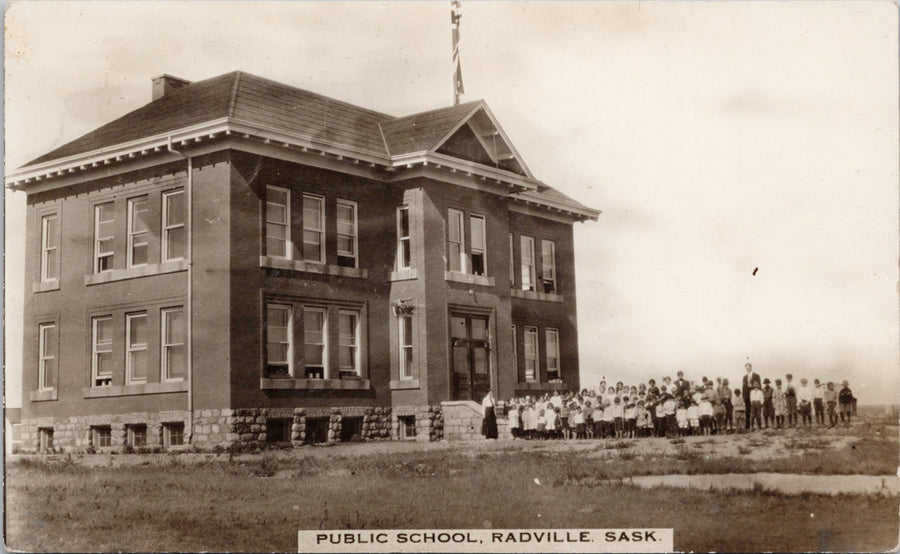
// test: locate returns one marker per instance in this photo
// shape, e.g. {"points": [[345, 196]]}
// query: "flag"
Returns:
{"points": [[455, 16]]}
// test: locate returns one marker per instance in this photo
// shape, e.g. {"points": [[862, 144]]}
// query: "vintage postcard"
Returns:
{"points": [[451, 276]]}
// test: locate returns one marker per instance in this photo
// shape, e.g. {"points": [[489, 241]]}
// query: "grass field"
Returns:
{"points": [[197, 502]]}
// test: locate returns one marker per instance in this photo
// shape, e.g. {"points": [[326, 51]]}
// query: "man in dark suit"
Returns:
{"points": [[750, 378]]}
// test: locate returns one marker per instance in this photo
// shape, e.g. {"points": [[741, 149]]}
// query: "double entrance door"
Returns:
{"points": [[470, 346]]}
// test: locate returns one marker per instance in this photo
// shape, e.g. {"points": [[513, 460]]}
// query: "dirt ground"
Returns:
{"points": [[257, 502]]}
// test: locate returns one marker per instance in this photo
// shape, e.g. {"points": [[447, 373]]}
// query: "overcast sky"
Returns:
{"points": [[717, 138]]}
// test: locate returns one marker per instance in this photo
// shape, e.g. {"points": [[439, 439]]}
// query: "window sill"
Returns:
{"points": [[403, 384], [44, 286], [130, 390], [534, 295], [534, 385], [315, 384], [135, 272], [43, 395], [312, 267], [458, 277], [407, 274]]}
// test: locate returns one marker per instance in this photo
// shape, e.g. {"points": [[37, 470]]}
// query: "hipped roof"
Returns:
{"points": [[244, 98]]}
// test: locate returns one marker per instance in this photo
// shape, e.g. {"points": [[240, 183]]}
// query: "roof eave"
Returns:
{"points": [[22, 177]]}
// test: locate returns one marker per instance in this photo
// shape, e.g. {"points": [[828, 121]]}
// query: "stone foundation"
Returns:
{"points": [[224, 428]]}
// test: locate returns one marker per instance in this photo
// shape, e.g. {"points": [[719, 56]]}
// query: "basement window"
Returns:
{"points": [[278, 429], [173, 434], [407, 427], [101, 436], [136, 435], [46, 439]]}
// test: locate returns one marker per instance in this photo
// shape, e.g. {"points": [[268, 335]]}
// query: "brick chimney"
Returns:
{"points": [[164, 84]]}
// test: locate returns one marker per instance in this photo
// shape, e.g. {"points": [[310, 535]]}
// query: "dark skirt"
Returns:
{"points": [[489, 425]]}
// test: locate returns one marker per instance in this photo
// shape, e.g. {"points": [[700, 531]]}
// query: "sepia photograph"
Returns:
{"points": [[451, 276]]}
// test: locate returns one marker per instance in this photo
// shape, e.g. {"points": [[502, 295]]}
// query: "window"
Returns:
{"points": [[136, 348], [50, 247], [456, 252], [313, 228], [45, 436], [479, 262], [314, 332], [512, 261], [101, 366], [173, 434], [101, 436], [348, 342], [104, 232], [527, 263], [515, 349], [548, 265], [174, 354], [47, 349], [278, 429], [136, 435], [406, 347], [404, 248], [279, 354], [552, 336], [174, 240], [531, 354], [138, 231], [407, 427], [317, 429], [278, 217], [346, 233]]}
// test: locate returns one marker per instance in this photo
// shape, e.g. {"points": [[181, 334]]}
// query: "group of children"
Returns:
{"points": [[676, 408]]}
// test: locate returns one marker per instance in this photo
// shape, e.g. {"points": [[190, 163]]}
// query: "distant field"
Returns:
{"points": [[197, 502]]}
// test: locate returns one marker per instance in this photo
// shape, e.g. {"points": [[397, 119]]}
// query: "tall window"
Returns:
{"points": [[512, 261], [278, 217], [404, 248], [531, 354], [456, 251], [101, 365], [313, 228], [314, 351], [552, 336], [50, 247], [47, 349], [136, 370], [346, 233], [279, 351], [527, 263], [406, 347], [548, 265], [174, 240], [104, 232], [348, 341], [174, 353], [479, 249], [138, 231]]}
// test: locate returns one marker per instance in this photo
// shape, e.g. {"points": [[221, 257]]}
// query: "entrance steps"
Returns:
{"points": [[462, 421]]}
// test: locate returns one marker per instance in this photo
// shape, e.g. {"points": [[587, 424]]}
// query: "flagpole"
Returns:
{"points": [[455, 16]]}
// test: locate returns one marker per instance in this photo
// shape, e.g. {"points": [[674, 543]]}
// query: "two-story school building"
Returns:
{"points": [[242, 261]]}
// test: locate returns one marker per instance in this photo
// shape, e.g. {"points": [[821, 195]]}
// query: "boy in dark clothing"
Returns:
{"points": [[845, 400]]}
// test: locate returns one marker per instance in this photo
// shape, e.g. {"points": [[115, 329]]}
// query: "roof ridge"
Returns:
{"points": [[317, 94], [433, 110], [233, 96]]}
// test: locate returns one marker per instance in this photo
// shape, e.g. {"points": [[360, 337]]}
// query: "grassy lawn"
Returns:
{"points": [[258, 502]]}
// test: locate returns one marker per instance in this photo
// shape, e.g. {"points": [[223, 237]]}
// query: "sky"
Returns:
{"points": [[744, 154]]}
